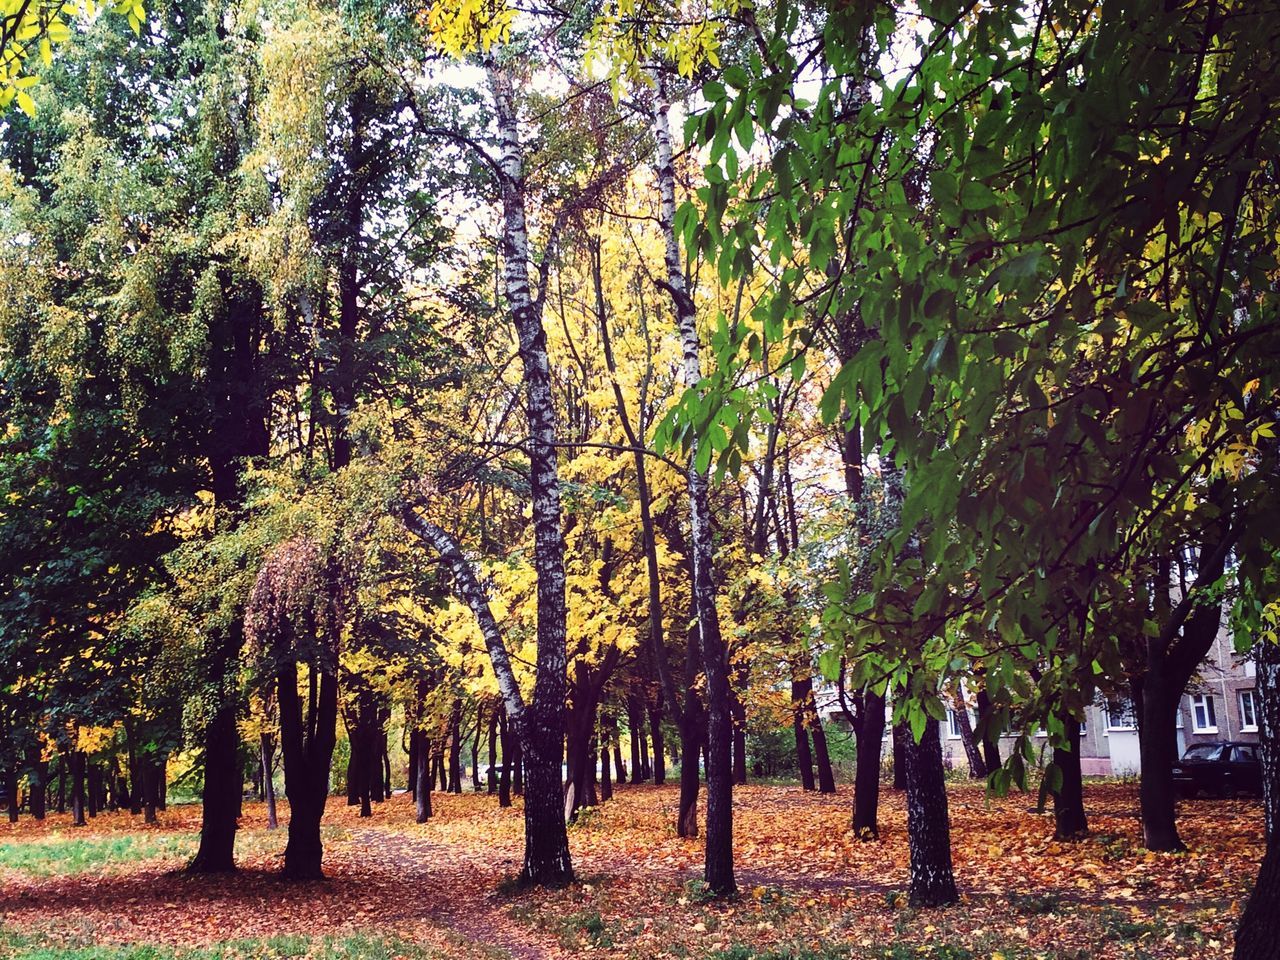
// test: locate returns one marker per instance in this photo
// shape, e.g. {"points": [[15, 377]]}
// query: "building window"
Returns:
{"points": [[1248, 712], [1203, 718], [1120, 715], [953, 725]]}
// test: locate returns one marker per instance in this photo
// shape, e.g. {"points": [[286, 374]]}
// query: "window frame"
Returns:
{"points": [[1249, 725], [1204, 700]]}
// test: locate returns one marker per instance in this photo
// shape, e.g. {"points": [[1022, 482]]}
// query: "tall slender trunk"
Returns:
{"points": [[422, 776], [635, 724], [504, 779], [804, 757], [1069, 820], [493, 750], [11, 788], [1259, 930], [990, 735], [960, 709], [306, 746], [150, 771], [1187, 632], [928, 825], [455, 748], [267, 751], [77, 788], [658, 740], [821, 755], [93, 777], [718, 872], [237, 400], [38, 780], [900, 736], [606, 782], [868, 738], [541, 725]]}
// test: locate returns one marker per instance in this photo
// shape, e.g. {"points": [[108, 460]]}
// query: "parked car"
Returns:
{"points": [[1220, 769]]}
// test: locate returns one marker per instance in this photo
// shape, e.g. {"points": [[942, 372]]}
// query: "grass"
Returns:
{"points": [[15, 946], [61, 855]]}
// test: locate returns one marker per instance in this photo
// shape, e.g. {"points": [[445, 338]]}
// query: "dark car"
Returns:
{"points": [[1220, 769]]}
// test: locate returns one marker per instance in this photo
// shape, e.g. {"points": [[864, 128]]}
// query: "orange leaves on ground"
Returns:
{"points": [[805, 880]]}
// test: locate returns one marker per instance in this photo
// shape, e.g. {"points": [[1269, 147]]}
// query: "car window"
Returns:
{"points": [[1202, 751], [1244, 755]]}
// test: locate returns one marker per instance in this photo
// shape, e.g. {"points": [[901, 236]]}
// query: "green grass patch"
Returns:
{"points": [[16, 946], [61, 855]]}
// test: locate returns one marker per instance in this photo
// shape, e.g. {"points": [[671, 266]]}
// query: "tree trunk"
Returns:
{"points": [[94, 777], [455, 748], [136, 788], [149, 776], [1259, 929], [517, 763], [739, 721], [718, 872], [1188, 630], [422, 776], [504, 779], [928, 825], [11, 787], [821, 755], [990, 736], [307, 749], [39, 784], [267, 753], [869, 737], [1158, 748], [804, 758], [658, 741], [977, 767], [493, 750], [606, 782], [900, 737], [1069, 821], [62, 783], [77, 789], [635, 725], [237, 397]]}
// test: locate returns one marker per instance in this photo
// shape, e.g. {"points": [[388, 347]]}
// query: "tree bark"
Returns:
{"points": [[1172, 657], [658, 741], [307, 750], [267, 754], [455, 748], [718, 871], [960, 709], [1259, 929], [606, 782], [39, 783], [504, 779], [493, 750], [77, 789], [1069, 820], [11, 787], [422, 776], [900, 736], [804, 757], [928, 826], [990, 736], [239, 415], [868, 737]]}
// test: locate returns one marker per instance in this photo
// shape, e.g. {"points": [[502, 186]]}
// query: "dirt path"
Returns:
{"points": [[471, 905]]}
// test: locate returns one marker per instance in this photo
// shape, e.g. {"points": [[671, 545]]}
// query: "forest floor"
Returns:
{"points": [[809, 889]]}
